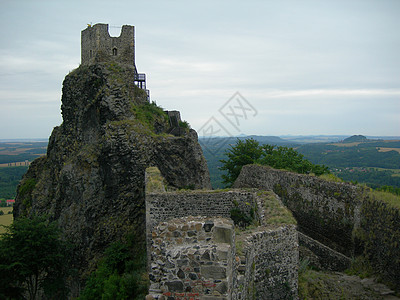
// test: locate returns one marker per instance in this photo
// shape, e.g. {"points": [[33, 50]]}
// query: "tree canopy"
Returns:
{"points": [[32, 258], [251, 152]]}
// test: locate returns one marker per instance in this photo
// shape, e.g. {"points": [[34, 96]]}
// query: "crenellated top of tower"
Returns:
{"points": [[98, 46]]}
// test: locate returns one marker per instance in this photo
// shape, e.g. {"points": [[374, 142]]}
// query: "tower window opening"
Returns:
{"points": [[114, 51]]}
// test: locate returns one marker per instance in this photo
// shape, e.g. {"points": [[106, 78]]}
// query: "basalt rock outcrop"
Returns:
{"points": [[93, 177]]}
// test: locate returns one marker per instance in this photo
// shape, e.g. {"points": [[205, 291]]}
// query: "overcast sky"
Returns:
{"points": [[230, 67]]}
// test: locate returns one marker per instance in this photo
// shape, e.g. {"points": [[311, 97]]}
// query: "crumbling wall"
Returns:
{"points": [[378, 238], [344, 217], [326, 211], [192, 252], [162, 207], [193, 257], [271, 263]]}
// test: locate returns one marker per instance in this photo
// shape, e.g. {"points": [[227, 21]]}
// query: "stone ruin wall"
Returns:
{"points": [[162, 207], [193, 257], [264, 277], [192, 252], [98, 46], [326, 211], [342, 216]]}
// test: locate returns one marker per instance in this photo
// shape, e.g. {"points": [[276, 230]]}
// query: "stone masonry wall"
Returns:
{"points": [[98, 46], [162, 207], [191, 245], [271, 264], [342, 216], [379, 238], [192, 258], [326, 211]]}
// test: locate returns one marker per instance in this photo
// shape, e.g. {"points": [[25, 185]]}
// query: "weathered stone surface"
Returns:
{"points": [[223, 234], [342, 216], [175, 286], [215, 272], [92, 179], [326, 211], [268, 268]]}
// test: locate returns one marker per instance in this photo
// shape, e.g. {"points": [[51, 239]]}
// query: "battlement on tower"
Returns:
{"points": [[98, 46]]}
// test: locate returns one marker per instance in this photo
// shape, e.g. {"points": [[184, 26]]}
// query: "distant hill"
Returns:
{"points": [[355, 138], [214, 149], [357, 158]]}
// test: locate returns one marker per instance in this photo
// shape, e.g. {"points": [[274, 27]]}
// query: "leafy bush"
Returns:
{"points": [[1, 212], [184, 124], [250, 151], [240, 218], [149, 113], [32, 258], [121, 274], [25, 191]]}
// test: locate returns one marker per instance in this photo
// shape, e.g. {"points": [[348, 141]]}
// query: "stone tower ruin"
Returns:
{"points": [[98, 46]]}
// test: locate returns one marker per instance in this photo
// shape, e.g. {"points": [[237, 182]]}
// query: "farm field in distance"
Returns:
{"points": [[15, 157], [5, 219], [374, 161]]}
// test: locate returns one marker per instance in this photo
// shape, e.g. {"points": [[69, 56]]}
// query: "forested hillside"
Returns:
{"points": [[15, 157], [374, 162], [358, 159], [214, 149]]}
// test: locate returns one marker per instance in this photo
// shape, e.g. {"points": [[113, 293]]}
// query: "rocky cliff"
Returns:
{"points": [[92, 179]]}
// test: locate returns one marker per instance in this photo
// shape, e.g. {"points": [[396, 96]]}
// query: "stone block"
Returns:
{"points": [[208, 225], [175, 286], [223, 234], [214, 272]]}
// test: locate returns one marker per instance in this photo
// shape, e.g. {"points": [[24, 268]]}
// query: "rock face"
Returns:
{"points": [[92, 179]]}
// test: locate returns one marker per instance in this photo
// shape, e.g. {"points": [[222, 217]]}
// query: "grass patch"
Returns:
{"points": [[386, 197], [25, 191], [149, 113], [275, 212], [361, 267], [330, 177], [6, 219], [154, 180]]}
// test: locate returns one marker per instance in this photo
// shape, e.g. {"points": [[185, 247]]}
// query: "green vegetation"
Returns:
{"points": [[373, 177], [389, 189], [21, 151], [330, 177], [250, 151], [25, 191], [6, 219], [332, 285], [154, 180], [121, 274], [361, 154], [361, 267], [240, 218], [386, 197], [9, 180], [275, 212], [184, 124], [32, 258], [149, 114], [374, 162]]}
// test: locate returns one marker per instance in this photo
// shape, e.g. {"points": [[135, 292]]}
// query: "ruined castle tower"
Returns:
{"points": [[98, 46]]}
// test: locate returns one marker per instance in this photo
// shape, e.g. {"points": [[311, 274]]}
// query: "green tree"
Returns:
{"points": [[121, 274], [243, 153], [32, 258], [250, 152]]}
